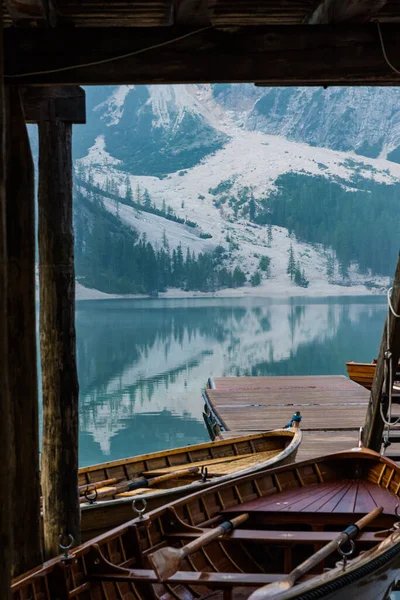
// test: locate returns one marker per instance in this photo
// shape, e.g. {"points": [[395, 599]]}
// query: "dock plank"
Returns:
{"points": [[333, 408]]}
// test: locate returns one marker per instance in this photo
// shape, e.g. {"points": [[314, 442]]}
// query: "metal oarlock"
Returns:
{"points": [[91, 498], [345, 555], [137, 510], [204, 473], [67, 557]]}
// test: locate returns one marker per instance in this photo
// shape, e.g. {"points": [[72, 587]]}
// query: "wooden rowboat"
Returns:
{"points": [[270, 522], [162, 477], [363, 373]]}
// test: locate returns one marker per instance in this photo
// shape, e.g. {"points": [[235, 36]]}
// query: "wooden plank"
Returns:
{"points": [[364, 502], [61, 509], [271, 55], [23, 380], [373, 427], [68, 104], [6, 449]]}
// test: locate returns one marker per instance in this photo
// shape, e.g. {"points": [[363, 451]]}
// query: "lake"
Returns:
{"points": [[144, 363]]}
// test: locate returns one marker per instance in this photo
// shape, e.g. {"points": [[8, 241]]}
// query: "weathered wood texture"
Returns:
{"points": [[5, 414], [23, 383], [44, 103], [57, 335], [336, 11], [274, 55], [373, 428], [333, 408]]}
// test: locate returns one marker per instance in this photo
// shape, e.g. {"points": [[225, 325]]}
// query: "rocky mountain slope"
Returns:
{"points": [[219, 157]]}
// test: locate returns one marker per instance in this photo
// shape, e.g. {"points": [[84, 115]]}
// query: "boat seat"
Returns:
{"points": [[220, 466], [280, 537]]}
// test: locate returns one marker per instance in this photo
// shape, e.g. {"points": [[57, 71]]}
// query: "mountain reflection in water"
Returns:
{"points": [[143, 363]]}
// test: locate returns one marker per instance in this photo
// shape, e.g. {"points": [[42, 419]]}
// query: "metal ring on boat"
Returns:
{"points": [[90, 498], [71, 540], [137, 510]]}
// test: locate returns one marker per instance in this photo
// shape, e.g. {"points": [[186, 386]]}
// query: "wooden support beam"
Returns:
{"points": [[23, 382], [63, 103], [61, 506], [5, 408], [373, 428], [275, 55], [338, 11]]}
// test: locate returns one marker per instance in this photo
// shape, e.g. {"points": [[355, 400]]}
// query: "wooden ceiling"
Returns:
{"points": [[267, 42], [219, 13]]}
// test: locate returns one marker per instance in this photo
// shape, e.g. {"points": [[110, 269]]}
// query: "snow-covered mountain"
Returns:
{"points": [[209, 151]]}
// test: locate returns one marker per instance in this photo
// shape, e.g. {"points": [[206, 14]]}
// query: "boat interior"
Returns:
{"points": [[181, 466], [276, 537]]}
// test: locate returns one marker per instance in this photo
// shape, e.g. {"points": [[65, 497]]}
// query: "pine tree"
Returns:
{"points": [[183, 204], [255, 279], [330, 265], [146, 199], [252, 209], [165, 240], [291, 268], [138, 195], [164, 207], [269, 235], [128, 192]]}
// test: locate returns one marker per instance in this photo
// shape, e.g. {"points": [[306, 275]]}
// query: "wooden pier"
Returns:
{"points": [[333, 408]]}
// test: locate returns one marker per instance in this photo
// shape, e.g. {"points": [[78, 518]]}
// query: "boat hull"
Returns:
{"points": [[98, 517]]}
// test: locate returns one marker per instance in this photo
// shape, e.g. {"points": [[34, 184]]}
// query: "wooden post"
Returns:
{"points": [[61, 506], [5, 420], [373, 428], [20, 221]]}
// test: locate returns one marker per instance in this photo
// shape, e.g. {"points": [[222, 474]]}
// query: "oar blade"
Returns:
{"points": [[273, 590], [166, 562]]}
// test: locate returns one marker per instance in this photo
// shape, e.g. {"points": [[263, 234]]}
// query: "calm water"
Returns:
{"points": [[143, 363]]}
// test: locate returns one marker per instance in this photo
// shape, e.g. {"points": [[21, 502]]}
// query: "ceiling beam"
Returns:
{"points": [[32, 10], [274, 55], [48, 103], [339, 11]]}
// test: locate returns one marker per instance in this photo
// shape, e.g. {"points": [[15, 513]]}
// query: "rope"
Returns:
{"points": [[110, 58], [388, 373], [384, 51], [390, 303]]}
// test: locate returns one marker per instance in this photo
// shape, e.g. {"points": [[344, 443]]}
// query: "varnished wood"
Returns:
{"points": [[57, 335], [115, 565], [5, 408], [271, 55], [22, 361], [373, 427], [224, 459]]}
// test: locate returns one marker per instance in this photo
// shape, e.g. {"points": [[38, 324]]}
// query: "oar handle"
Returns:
{"points": [[208, 537], [367, 519], [173, 475]]}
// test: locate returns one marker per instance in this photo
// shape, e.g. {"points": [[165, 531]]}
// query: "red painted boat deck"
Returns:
{"points": [[345, 496]]}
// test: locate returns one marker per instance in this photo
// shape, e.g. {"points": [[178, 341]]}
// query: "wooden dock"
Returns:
{"points": [[333, 408]]}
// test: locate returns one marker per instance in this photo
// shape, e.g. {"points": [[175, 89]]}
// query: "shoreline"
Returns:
{"points": [[278, 291]]}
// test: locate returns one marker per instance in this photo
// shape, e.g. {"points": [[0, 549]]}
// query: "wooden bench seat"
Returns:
{"points": [[222, 465], [281, 537]]}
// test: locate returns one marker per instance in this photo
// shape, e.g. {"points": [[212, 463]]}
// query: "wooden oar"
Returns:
{"points": [[274, 590], [167, 561], [127, 486], [97, 484]]}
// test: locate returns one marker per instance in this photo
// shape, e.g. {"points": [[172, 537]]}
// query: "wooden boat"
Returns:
{"points": [[282, 516], [162, 477], [363, 373]]}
